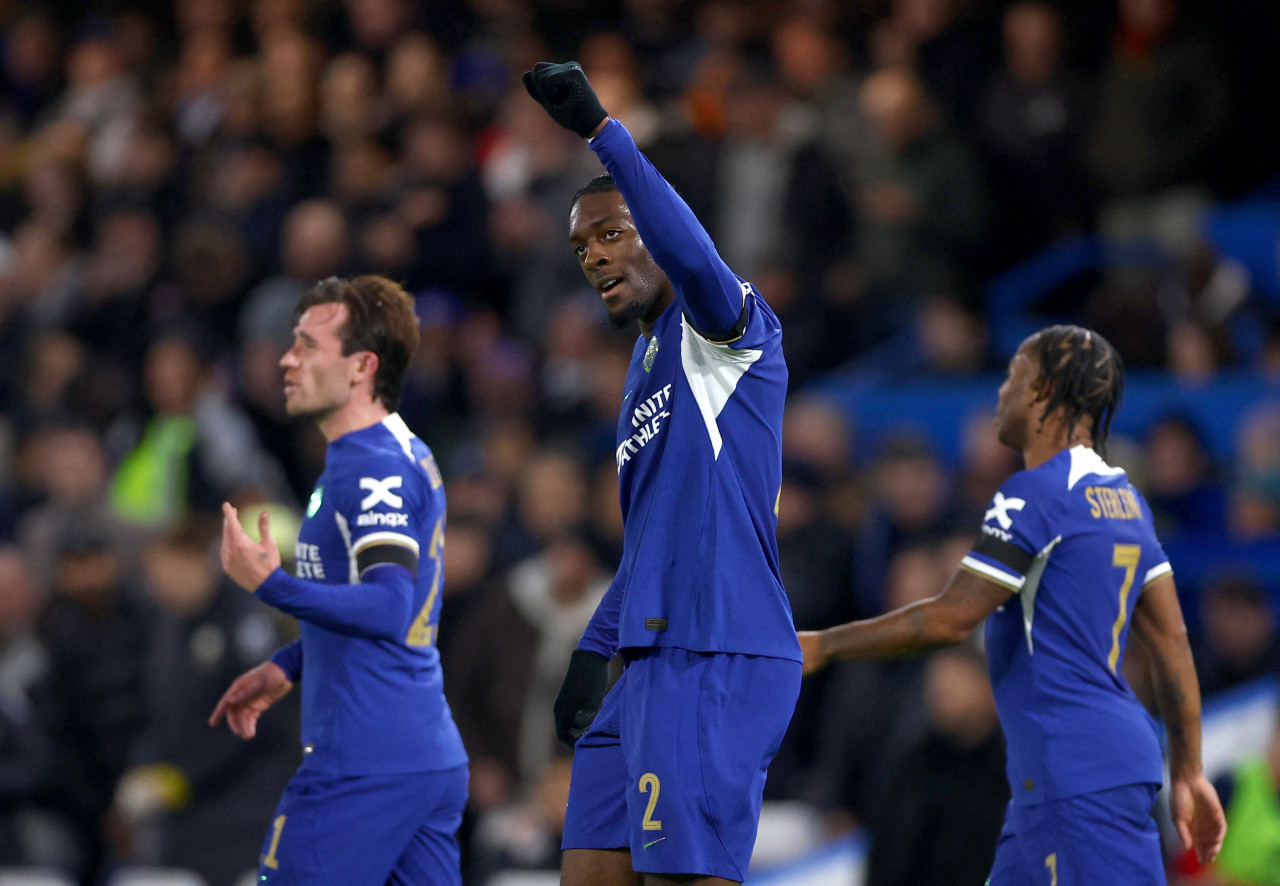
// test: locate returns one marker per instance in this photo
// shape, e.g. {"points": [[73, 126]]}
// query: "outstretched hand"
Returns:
{"points": [[247, 562], [565, 94], [248, 696], [1198, 816]]}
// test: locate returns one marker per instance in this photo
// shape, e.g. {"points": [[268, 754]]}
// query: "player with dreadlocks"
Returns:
{"points": [[1074, 541]]}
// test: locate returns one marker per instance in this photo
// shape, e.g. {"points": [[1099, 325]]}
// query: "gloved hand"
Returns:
{"points": [[565, 94], [581, 694]]}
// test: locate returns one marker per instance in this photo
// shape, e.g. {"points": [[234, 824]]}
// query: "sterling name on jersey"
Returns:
{"points": [[1075, 540], [698, 450], [372, 689]]}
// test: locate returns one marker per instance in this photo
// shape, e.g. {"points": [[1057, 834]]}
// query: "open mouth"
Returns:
{"points": [[608, 284]]}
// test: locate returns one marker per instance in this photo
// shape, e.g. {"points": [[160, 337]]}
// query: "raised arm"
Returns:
{"points": [[711, 296], [709, 292], [1159, 626]]}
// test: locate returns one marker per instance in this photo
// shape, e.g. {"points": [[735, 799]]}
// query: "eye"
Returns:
{"points": [[612, 234], [580, 250]]}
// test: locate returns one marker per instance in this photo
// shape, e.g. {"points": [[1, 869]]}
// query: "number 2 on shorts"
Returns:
{"points": [[649, 785]]}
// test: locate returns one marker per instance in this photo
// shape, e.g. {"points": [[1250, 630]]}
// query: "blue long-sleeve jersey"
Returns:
{"points": [[699, 450], [367, 594]]}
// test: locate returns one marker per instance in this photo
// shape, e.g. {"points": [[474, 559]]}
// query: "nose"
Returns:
{"points": [[288, 359], [596, 256]]}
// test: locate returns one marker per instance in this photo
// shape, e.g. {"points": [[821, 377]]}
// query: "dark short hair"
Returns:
{"points": [[1082, 373], [380, 318], [601, 184]]}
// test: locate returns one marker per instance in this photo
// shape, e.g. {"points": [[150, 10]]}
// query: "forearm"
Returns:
{"points": [[710, 293], [378, 608], [1178, 699], [912, 630]]}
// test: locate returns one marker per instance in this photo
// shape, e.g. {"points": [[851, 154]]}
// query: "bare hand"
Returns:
{"points": [[248, 696], [1198, 816], [811, 647], [246, 562]]}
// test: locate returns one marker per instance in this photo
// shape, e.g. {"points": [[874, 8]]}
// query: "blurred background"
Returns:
{"points": [[913, 185]]}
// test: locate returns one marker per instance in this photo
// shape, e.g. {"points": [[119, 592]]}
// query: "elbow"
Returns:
{"points": [[945, 626]]}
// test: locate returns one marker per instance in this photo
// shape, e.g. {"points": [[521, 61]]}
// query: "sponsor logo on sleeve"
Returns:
{"points": [[380, 492], [999, 511]]}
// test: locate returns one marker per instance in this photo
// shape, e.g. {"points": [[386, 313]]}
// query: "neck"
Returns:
{"points": [[1048, 441], [646, 323], [353, 416]]}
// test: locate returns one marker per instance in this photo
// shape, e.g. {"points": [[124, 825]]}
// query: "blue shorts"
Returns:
{"points": [[1107, 838], [366, 830], [673, 767]]}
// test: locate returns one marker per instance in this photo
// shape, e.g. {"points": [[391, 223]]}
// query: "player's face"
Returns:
{"points": [[317, 379], [615, 259], [1018, 397]]}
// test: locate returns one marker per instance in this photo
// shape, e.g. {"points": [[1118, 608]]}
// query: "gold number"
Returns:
{"points": [[1052, 864], [1126, 556], [269, 860], [647, 781], [421, 632]]}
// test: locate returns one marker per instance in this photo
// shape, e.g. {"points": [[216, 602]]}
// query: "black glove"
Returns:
{"points": [[581, 694], [566, 95]]}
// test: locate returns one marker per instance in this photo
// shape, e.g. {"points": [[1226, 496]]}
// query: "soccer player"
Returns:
{"points": [[1073, 540], [380, 793], [669, 774]]}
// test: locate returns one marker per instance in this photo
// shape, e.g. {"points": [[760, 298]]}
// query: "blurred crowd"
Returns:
{"points": [[173, 177]]}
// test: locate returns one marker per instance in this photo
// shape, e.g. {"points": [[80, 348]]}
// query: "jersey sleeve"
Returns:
{"points": [[1015, 529], [1156, 562], [601, 635], [380, 505], [711, 296]]}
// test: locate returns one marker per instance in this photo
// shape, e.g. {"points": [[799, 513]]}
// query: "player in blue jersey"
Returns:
{"points": [[669, 768], [1066, 564], [380, 793]]}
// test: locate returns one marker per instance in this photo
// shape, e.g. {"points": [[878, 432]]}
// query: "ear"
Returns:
{"points": [[365, 368]]}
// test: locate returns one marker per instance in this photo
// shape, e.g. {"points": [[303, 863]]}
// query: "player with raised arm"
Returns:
{"points": [[669, 768], [1066, 564], [380, 793]]}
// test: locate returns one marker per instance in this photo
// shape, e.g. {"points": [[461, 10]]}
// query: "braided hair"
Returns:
{"points": [[1082, 373]]}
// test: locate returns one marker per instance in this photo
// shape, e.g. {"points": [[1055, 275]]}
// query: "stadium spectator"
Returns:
{"points": [[1029, 120], [1239, 641], [536, 616], [27, 729], [525, 834], [941, 815], [910, 504], [96, 627], [1162, 108], [921, 206], [1185, 494], [1253, 509], [71, 466], [195, 450], [185, 781]]}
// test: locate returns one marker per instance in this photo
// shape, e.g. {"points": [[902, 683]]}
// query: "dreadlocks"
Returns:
{"points": [[1082, 373]]}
